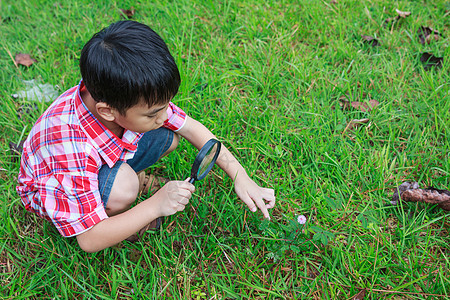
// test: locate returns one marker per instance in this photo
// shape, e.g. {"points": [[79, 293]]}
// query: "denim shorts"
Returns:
{"points": [[150, 148]]}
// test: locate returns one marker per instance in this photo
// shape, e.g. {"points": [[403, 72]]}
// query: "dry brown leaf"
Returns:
{"points": [[24, 59], [429, 60], [390, 21], [363, 106], [343, 101], [360, 295], [353, 124], [403, 14], [16, 150], [359, 105], [370, 40], [129, 13], [394, 20], [26, 109], [426, 34]]}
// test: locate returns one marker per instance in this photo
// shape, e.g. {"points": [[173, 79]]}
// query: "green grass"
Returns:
{"points": [[266, 78]]}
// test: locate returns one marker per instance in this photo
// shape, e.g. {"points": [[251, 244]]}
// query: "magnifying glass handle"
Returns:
{"points": [[192, 180]]}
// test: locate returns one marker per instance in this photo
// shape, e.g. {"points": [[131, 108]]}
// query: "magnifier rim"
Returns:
{"points": [[201, 155]]}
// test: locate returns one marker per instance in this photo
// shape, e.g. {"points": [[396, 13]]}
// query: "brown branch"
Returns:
{"points": [[432, 196], [410, 192]]}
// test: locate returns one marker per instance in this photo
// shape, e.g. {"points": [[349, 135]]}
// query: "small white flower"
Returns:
{"points": [[301, 219]]}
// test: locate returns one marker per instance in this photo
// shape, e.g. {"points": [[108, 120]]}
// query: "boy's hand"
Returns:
{"points": [[174, 196], [247, 190], [254, 196]]}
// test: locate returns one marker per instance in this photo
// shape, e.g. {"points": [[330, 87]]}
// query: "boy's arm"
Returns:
{"points": [[171, 198], [246, 189]]}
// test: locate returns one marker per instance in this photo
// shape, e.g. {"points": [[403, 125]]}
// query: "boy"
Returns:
{"points": [[80, 161]]}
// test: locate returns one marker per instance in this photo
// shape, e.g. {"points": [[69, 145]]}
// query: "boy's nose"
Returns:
{"points": [[161, 120]]}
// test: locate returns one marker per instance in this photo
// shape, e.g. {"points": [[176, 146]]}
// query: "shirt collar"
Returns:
{"points": [[110, 147]]}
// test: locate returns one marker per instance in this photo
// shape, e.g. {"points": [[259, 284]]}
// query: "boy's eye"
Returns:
{"points": [[151, 116]]}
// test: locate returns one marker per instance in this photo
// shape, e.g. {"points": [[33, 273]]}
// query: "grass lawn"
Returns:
{"points": [[274, 81]]}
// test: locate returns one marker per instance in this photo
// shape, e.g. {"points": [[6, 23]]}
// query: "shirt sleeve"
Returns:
{"points": [[71, 202], [176, 118]]}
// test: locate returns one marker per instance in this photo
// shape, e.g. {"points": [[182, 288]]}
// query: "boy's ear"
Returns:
{"points": [[105, 111]]}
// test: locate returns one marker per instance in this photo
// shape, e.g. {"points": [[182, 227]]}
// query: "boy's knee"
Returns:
{"points": [[124, 190]]}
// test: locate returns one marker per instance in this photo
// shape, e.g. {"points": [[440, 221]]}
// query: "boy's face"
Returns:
{"points": [[142, 118]]}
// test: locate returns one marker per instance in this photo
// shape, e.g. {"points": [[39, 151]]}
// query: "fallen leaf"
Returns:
{"points": [[353, 124], [387, 22], [333, 2], [359, 105], [360, 295], [370, 40], [16, 150], [363, 106], [199, 88], [403, 14], [129, 13], [426, 34], [343, 101], [429, 60], [24, 59], [27, 109]]}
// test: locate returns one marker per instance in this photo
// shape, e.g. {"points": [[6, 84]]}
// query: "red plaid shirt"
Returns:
{"points": [[61, 158]]}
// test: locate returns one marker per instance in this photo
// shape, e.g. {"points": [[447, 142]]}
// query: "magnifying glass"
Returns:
{"points": [[205, 160]]}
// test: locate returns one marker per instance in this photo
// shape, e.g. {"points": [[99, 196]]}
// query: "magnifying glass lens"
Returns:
{"points": [[207, 160]]}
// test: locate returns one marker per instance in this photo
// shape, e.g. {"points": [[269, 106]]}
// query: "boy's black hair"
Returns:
{"points": [[126, 62]]}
